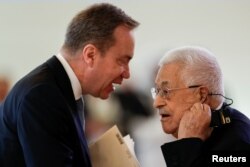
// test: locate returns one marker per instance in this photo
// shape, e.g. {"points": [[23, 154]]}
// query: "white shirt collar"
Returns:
{"points": [[76, 86]]}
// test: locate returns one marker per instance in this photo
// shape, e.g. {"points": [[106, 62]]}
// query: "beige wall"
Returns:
{"points": [[30, 32]]}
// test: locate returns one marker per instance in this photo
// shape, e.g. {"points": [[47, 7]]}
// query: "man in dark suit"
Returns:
{"points": [[41, 120], [189, 96]]}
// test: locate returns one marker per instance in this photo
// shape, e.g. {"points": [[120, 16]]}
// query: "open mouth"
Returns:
{"points": [[114, 85], [165, 115]]}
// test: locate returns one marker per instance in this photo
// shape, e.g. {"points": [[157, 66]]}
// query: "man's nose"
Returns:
{"points": [[159, 102], [126, 72]]}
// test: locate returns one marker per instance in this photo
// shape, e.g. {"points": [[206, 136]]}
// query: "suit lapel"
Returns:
{"points": [[62, 80], [64, 84]]}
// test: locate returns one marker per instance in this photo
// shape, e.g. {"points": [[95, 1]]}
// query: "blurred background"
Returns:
{"points": [[31, 31]]}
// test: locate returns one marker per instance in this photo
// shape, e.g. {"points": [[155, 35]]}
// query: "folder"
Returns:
{"points": [[112, 150]]}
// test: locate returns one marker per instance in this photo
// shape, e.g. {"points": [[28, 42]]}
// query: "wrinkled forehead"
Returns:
{"points": [[168, 76]]}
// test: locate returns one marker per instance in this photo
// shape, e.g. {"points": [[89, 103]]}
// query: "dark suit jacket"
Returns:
{"points": [[37, 127], [230, 139]]}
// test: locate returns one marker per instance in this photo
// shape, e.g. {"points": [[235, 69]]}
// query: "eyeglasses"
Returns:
{"points": [[164, 93]]}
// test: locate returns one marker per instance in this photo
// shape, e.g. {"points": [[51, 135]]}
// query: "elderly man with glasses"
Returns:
{"points": [[190, 99]]}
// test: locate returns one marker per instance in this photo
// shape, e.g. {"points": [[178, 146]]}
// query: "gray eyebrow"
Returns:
{"points": [[164, 83]]}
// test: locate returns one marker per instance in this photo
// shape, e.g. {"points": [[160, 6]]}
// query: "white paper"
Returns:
{"points": [[111, 150]]}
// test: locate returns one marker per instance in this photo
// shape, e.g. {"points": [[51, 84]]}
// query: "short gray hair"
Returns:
{"points": [[198, 67]]}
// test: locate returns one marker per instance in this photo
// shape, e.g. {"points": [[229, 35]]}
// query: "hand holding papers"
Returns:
{"points": [[112, 150]]}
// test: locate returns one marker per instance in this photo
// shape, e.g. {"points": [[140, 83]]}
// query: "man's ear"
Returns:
{"points": [[204, 94], [89, 53]]}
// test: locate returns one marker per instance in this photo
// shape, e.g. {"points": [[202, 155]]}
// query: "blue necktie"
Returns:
{"points": [[80, 112], [80, 124]]}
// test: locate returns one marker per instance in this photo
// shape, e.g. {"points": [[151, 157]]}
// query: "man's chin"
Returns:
{"points": [[104, 96], [167, 130]]}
